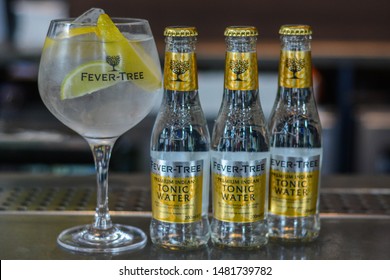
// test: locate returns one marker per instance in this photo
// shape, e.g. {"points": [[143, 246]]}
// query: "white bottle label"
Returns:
{"points": [[177, 190], [239, 190], [294, 185]]}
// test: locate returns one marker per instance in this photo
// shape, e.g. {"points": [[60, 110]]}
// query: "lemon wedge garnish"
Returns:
{"points": [[125, 61], [76, 82]]}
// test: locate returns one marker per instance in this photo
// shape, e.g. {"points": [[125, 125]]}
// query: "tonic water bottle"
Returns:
{"points": [[239, 149], [180, 141], [295, 143]]}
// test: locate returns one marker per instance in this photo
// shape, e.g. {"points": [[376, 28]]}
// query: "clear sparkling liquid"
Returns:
{"points": [[293, 229], [240, 134], [235, 234], [180, 133], [295, 131], [106, 113]]}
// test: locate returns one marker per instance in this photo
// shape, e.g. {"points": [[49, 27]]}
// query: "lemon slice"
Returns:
{"points": [[128, 58], [76, 82]]}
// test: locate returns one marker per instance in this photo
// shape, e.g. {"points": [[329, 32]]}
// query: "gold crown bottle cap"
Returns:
{"points": [[295, 30], [180, 31], [241, 31]]}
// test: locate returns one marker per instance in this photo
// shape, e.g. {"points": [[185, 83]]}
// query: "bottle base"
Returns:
{"points": [[180, 247], [238, 245], [177, 236], [293, 239], [239, 235], [293, 229]]}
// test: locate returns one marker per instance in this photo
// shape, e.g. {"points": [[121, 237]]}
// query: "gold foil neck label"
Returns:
{"points": [[180, 71], [241, 71], [294, 183], [295, 69], [239, 190], [177, 190]]}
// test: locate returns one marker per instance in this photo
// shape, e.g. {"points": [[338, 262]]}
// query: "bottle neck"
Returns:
{"points": [[295, 43], [295, 71], [180, 44], [241, 44], [241, 72], [180, 69]]}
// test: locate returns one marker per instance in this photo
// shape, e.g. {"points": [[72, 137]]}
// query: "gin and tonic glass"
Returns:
{"points": [[100, 79]]}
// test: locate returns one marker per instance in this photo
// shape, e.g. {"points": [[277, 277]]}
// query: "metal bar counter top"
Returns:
{"points": [[34, 209]]}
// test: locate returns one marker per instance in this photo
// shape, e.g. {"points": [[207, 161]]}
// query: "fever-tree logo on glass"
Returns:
{"points": [[113, 61], [239, 67], [295, 65], [179, 68]]}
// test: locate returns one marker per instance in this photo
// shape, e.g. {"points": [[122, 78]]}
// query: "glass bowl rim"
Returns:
{"points": [[117, 21]]}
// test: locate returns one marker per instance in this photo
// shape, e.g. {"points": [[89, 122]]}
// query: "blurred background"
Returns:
{"points": [[351, 57]]}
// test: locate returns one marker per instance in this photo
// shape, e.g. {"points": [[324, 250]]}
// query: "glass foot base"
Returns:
{"points": [[86, 239]]}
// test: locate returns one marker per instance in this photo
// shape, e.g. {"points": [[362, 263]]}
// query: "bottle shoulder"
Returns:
{"points": [[294, 120], [240, 105], [295, 130], [182, 107], [240, 137], [180, 124], [294, 105], [240, 124], [182, 135]]}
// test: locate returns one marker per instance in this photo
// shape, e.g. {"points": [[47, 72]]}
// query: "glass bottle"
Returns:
{"points": [[180, 142], [239, 149], [295, 144]]}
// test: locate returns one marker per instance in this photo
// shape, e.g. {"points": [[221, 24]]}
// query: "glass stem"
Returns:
{"points": [[101, 150]]}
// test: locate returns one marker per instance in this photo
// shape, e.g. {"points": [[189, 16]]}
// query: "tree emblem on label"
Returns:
{"points": [[113, 60], [239, 67], [179, 68], [295, 65]]}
